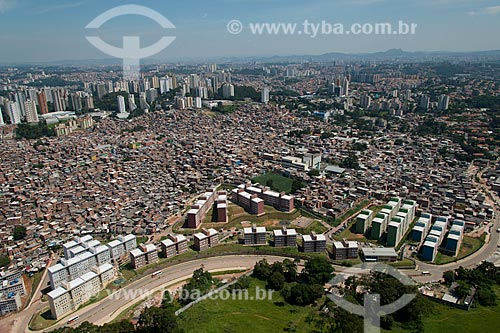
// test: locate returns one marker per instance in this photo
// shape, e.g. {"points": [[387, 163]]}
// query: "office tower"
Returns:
{"points": [[31, 114], [1, 117], [75, 102], [443, 103], [227, 90], [42, 102], [131, 103], [331, 88], [365, 101], [14, 113], [345, 86], [121, 104], [58, 101], [265, 96]]}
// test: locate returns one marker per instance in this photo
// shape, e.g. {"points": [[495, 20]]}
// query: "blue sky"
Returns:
{"points": [[50, 30]]}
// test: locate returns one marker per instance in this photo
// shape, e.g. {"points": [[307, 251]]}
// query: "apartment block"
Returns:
{"points": [[72, 294], [254, 235], [198, 211], [285, 237], [455, 237], [280, 201], [250, 202], [145, 254], [174, 245], [10, 303], [313, 243], [345, 250], [221, 207], [379, 225], [364, 221], [76, 262], [205, 239]]}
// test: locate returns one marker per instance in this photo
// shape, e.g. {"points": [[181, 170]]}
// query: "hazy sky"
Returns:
{"points": [[49, 30]]}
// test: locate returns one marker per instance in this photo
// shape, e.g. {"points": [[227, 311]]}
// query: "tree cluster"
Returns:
{"points": [[297, 289]]}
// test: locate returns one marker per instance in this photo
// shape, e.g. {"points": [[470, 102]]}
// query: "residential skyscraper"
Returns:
{"points": [[365, 101], [227, 90], [443, 102], [31, 113], [14, 113], [425, 102], [121, 104], [1, 117], [265, 95], [42, 102]]}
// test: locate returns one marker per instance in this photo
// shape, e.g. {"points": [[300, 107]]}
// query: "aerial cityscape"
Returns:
{"points": [[325, 168]]}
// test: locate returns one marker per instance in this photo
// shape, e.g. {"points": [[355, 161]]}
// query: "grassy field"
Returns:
{"points": [[469, 246], [237, 214], [266, 316], [447, 319], [42, 320], [280, 183], [316, 226], [141, 240]]}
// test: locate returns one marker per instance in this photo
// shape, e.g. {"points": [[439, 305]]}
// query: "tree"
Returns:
{"points": [[4, 261], [155, 320], [313, 173], [318, 270], [449, 277], [276, 281], [296, 185], [350, 162], [19, 232], [262, 270], [486, 297]]}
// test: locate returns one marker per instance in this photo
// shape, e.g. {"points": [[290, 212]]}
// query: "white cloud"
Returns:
{"points": [[6, 5], [493, 10], [60, 7]]}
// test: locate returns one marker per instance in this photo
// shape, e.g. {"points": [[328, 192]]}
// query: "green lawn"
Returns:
{"points": [[316, 226], [280, 183], [447, 319], [142, 240], [237, 214], [263, 316], [42, 320], [468, 247]]}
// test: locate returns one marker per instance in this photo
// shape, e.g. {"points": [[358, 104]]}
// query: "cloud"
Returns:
{"points": [[60, 7], [6, 5], [493, 10]]}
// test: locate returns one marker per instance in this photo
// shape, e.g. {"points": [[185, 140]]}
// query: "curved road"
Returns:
{"points": [[110, 307]]}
